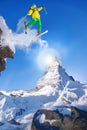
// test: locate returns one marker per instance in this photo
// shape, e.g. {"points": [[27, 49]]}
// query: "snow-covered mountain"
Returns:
{"points": [[56, 90]]}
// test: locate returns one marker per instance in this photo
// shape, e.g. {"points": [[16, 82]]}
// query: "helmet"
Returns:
{"points": [[33, 6]]}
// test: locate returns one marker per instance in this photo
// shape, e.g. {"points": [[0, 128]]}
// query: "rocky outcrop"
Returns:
{"points": [[5, 52], [53, 120], [5, 49], [2, 64]]}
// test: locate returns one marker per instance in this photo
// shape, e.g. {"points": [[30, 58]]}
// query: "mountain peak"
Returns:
{"points": [[54, 76]]}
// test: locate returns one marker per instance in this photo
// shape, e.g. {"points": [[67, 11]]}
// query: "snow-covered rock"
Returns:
{"points": [[6, 49], [6, 36], [54, 120]]}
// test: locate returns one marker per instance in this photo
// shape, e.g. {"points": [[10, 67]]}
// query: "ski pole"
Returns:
{"points": [[23, 18], [45, 10]]}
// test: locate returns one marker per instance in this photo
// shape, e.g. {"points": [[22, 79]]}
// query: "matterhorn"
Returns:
{"points": [[58, 102]]}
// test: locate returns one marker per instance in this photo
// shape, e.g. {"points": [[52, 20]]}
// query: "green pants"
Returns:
{"points": [[35, 21]]}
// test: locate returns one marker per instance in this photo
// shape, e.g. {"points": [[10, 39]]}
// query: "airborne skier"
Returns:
{"points": [[34, 13]]}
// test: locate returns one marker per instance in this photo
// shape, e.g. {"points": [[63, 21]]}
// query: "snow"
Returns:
{"points": [[42, 119], [6, 38]]}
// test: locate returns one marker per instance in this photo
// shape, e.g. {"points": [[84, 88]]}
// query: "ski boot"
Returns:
{"points": [[38, 33]]}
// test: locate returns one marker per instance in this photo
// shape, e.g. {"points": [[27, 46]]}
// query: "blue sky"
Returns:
{"points": [[66, 22]]}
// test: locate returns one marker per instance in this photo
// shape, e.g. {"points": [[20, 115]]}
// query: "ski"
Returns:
{"points": [[37, 36], [43, 33]]}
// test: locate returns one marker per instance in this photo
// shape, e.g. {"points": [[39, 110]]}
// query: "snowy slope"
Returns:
{"points": [[55, 90]]}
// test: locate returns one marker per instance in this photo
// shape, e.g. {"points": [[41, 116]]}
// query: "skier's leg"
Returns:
{"points": [[39, 26], [33, 21]]}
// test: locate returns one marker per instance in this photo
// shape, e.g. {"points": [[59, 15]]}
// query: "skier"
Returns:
{"points": [[34, 13]]}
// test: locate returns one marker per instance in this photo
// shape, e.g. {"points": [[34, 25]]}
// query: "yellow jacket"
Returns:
{"points": [[34, 12]]}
